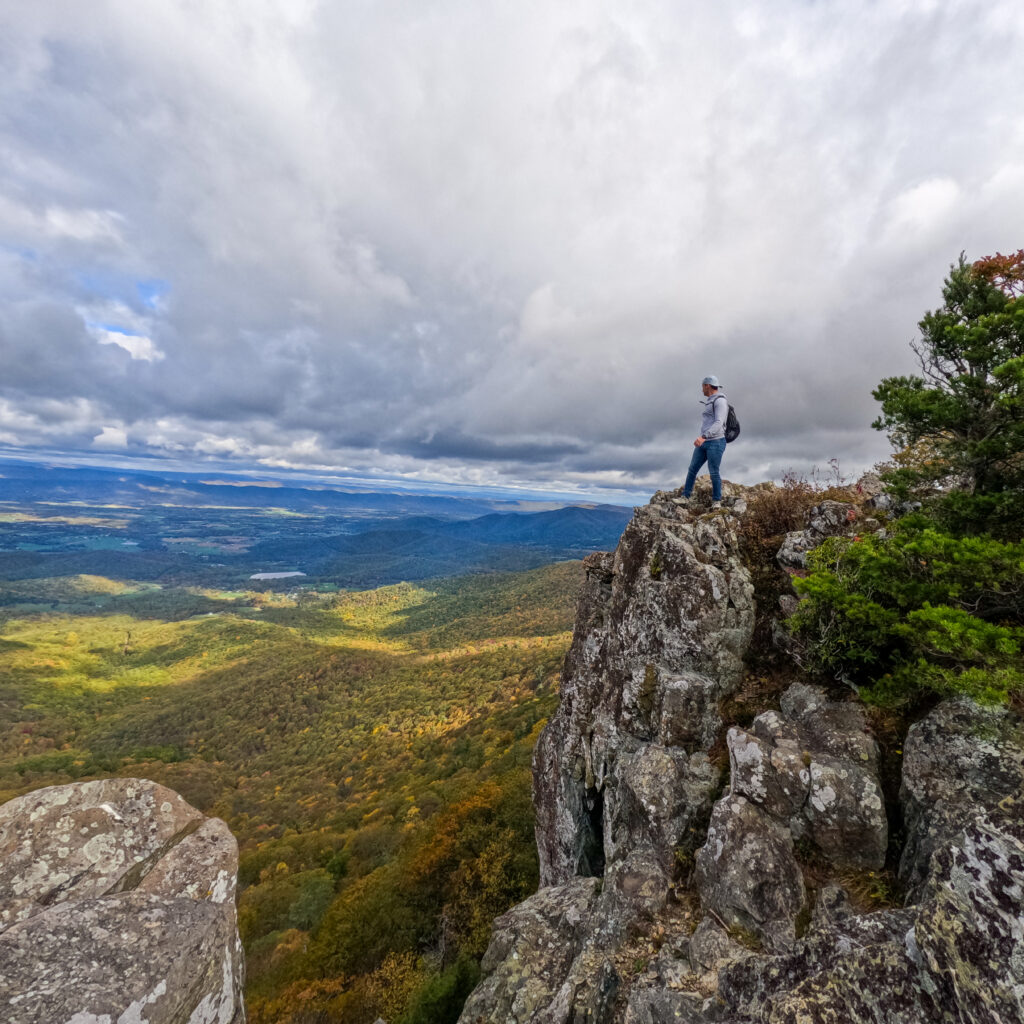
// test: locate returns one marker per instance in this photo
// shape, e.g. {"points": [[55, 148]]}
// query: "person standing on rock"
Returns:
{"points": [[710, 446]]}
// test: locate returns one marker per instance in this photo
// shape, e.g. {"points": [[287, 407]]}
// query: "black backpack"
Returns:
{"points": [[732, 426]]}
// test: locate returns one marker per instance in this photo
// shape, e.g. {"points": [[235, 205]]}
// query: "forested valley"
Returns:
{"points": [[369, 749]]}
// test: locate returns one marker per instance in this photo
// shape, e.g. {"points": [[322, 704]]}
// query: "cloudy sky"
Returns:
{"points": [[488, 242]]}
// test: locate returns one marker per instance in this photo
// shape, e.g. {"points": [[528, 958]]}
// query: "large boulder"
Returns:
{"points": [[809, 773], [634, 893], [814, 765], [117, 905], [658, 799], [532, 950], [958, 759], [845, 814], [769, 766], [747, 874]]}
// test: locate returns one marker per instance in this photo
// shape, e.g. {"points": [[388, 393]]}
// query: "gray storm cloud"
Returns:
{"points": [[493, 243]]}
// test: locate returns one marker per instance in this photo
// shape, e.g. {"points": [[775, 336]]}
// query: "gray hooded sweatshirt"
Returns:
{"points": [[712, 419]]}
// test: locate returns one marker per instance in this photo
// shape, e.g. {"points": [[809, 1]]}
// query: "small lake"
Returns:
{"points": [[274, 575]]}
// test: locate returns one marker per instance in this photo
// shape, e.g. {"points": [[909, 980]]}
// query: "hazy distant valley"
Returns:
{"points": [[205, 530]]}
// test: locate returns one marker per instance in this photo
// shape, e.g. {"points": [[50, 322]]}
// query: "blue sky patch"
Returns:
{"points": [[152, 291], [113, 329]]}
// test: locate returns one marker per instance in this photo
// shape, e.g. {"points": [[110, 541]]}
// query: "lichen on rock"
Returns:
{"points": [[117, 905], [957, 760], [650, 660]]}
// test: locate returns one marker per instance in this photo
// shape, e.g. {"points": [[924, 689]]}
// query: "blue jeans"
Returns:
{"points": [[710, 452]]}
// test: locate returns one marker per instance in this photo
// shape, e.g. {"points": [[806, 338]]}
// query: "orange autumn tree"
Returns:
{"points": [[1003, 272]]}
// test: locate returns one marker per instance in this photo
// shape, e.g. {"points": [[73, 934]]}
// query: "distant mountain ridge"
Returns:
{"points": [[420, 547], [570, 527], [39, 482], [195, 529]]}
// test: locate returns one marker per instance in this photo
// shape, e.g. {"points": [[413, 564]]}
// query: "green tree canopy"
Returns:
{"points": [[936, 603], [963, 417]]}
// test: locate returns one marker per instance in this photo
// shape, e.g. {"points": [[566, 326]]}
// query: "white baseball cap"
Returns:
{"points": [[712, 380]]}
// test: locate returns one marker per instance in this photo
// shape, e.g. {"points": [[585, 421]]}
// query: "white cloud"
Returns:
{"points": [[82, 225], [923, 210], [20, 221], [111, 437], [138, 346]]}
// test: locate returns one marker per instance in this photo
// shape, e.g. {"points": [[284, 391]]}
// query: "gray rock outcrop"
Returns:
{"points": [[623, 783], [808, 773], [747, 874], [117, 907], [957, 760], [665, 899], [829, 519], [533, 944], [661, 629], [954, 956], [815, 766]]}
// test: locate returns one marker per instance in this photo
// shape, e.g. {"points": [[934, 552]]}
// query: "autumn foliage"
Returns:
{"points": [[370, 750], [1003, 272]]}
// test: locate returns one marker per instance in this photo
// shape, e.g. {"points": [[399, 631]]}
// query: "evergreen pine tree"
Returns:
{"points": [[963, 417]]}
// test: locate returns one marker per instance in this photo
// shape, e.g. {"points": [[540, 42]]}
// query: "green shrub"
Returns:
{"points": [[918, 611]]}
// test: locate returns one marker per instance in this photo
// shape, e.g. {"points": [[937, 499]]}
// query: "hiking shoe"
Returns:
{"points": [[681, 502], [715, 504]]}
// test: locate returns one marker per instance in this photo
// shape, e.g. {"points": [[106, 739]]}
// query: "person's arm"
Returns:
{"points": [[721, 410]]}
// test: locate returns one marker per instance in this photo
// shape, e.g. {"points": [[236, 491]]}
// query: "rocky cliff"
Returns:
{"points": [[694, 869], [117, 907]]}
